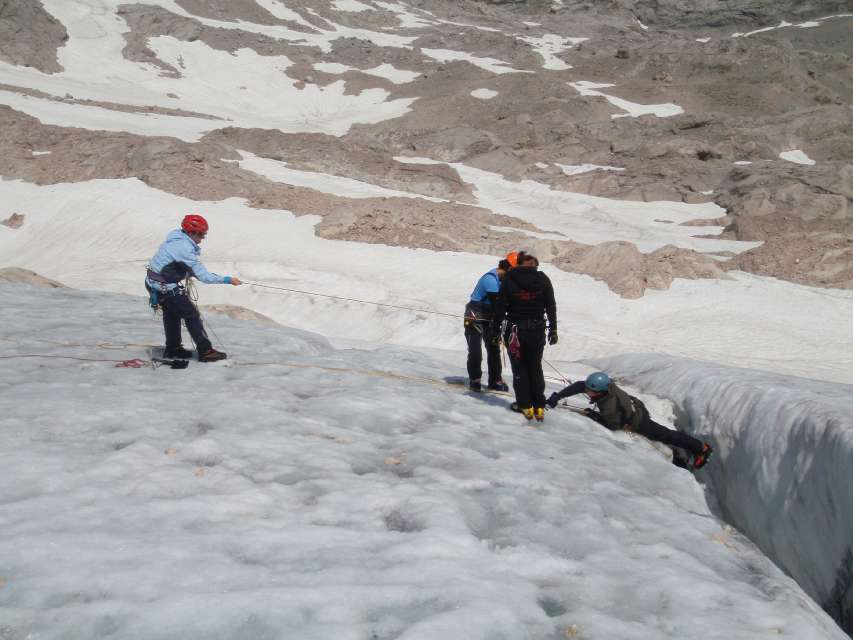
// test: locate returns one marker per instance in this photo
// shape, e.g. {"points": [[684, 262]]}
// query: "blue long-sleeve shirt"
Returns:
{"points": [[488, 283], [179, 247]]}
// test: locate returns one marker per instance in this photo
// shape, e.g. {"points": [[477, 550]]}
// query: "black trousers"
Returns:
{"points": [[476, 339], [659, 433], [528, 380], [177, 307]]}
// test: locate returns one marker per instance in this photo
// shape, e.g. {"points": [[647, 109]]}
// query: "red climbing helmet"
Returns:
{"points": [[194, 223]]}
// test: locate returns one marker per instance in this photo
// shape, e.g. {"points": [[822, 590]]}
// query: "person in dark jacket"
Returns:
{"points": [[617, 411], [175, 260], [478, 330], [525, 298]]}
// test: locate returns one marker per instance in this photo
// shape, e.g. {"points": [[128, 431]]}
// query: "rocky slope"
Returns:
{"points": [[745, 98]]}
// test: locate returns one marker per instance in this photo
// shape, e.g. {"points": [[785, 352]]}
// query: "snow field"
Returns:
{"points": [[69, 235], [593, 219], [298, 501], [243, 89], [400, 518], [784, 469]]}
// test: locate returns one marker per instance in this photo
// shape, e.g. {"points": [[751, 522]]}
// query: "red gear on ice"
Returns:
{"points": [[194, 223]]}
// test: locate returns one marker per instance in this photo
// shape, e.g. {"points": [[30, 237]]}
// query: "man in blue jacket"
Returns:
{"points": [[478, 330], [177, 259]]}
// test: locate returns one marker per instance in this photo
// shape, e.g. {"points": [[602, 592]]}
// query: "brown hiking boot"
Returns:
{"points": [[211, 355]]}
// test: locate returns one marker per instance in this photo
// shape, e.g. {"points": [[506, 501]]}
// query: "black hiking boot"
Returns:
{"points": [[475, 385], [211, 355], [498, 385], [178, 353]]}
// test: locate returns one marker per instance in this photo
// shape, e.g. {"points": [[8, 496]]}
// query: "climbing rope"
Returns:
{"points": [[133, 363], [378, 304], [563, 378], [192, 294]]}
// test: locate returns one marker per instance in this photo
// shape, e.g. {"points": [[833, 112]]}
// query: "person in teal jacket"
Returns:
{"points": [[177, 259]]}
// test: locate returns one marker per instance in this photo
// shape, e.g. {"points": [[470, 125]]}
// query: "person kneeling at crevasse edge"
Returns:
{"points": [[175, 260], [617, 411]]}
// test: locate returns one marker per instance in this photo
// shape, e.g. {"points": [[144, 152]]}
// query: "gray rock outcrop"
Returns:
{"points": [[29, 35]]}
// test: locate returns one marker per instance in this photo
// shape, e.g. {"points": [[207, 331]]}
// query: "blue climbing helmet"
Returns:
{"points": [[598, 381]]}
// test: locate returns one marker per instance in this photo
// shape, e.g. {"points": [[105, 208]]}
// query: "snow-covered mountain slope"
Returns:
{"points": [[390, 152], [299, 490], [784, 473], [482, 88]]}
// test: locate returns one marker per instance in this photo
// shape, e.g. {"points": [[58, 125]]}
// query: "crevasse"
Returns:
{"points": [[783, 473]]}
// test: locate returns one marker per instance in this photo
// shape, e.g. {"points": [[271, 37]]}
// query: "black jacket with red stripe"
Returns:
{"points": [[526, 297]]}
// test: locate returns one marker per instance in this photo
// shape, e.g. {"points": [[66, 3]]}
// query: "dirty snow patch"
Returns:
{"points": [[634, 110], [489, 64], [353, 6], [549, 46], [592, 219], [93, 118], [384, 70], [796, 155], [575, 169], [484, 94], [408, 20], [803, 25], [278, 171]]}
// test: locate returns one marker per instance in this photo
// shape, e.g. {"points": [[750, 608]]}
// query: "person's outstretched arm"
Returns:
{"points": [[208, 277], [572, 390]]}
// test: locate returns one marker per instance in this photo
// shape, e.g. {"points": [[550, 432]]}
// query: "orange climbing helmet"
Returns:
{"points": [[512, 258]]}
